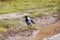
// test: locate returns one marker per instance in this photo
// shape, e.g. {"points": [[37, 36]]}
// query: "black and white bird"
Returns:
{"points": [[29, 21]]}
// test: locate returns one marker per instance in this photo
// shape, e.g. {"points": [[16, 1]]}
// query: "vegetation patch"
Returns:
{"points": [[22, 5]]}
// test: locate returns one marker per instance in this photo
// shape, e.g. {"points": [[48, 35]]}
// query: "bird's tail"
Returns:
{"points": [[32, 21]]}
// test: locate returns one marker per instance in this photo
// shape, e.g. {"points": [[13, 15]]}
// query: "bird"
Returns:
{"points": [[29, 21]]}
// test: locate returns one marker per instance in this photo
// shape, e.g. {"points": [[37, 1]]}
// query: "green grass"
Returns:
{"points": [[12, 25], [7, 24], [41, 13], [22, 5]]}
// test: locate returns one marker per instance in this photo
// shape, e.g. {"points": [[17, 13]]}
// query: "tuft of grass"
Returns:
{"points": [[36, 15], [12, 25], [2, 29], [40, 13]]}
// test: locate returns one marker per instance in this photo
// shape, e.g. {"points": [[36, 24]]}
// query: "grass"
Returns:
{"points": [[40, 13], [22, 5], [2, 29], [12, 25], [8, 24]]}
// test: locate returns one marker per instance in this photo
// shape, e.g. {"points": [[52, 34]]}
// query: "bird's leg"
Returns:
{"points": [[29, 27]]}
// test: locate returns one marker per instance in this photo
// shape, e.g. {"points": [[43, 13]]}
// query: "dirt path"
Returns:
{"points": [[48, 31], [20, 35], [45, 20]]}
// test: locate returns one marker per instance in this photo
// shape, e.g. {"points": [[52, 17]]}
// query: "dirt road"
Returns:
{"points": [[49, 31]]}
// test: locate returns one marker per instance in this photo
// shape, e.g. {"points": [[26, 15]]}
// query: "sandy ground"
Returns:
{"points": [[49, 31]]}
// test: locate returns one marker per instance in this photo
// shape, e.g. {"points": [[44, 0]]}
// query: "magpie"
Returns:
{"points": [[29, 21]]}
